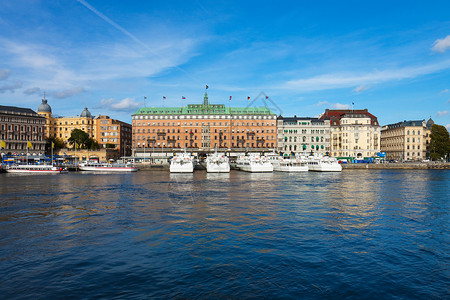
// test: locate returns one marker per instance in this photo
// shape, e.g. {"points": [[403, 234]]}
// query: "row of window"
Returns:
{"points": [[22, 120], [203, 117], [188, 145], [207, 124], [20, 128]]}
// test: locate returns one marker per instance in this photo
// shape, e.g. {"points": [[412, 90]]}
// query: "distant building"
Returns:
{"points": [[18, 126], [303, 135], [106, 131], [406, 140], [354, 133], [204, 127], [111, 133]]}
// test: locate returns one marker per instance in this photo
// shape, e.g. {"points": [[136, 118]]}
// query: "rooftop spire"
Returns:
{"points": [[205, 100]]}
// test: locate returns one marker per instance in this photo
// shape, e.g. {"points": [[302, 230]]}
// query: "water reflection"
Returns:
{"points": [[201, 235]]}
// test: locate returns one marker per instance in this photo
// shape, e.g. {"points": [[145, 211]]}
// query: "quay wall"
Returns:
{"points": [[400, 166]]}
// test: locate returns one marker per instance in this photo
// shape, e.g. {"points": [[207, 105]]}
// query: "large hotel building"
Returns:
{"points": [[354, 133], [204, 127]]}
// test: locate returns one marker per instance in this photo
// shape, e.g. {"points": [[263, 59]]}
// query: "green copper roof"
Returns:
{"points": [[203, 109], [199, 109]]}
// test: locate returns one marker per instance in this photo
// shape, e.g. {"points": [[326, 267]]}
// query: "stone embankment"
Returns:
{"points": [[402, 166]]}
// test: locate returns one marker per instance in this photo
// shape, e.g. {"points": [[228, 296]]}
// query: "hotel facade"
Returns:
{"points": [[355, 134], [205, 127], [21, 131], [298, 134], [407, 140]]}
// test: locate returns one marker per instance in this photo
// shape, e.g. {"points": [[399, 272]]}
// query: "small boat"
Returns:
{"points": [[106, 167], [320, 163], [217, 163], [35, 169], [182, 163], [254, 163]]}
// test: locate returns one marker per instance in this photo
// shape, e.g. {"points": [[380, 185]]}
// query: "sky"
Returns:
{"points": [[391, 57]]}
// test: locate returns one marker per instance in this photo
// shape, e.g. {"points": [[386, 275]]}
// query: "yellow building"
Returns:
{"points": [[106, 131], [407, 140]]}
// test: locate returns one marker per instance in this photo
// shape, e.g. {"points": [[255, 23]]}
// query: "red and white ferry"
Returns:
{"points": [[35, 169], [106, 167]]}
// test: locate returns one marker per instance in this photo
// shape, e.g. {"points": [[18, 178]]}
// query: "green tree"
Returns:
{"points": [[439, 142], [57, 142], [82, 139]]}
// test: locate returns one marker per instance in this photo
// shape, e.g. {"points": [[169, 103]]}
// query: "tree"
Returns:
{"points": [[82, 139], [439, 143], [57, 144]]}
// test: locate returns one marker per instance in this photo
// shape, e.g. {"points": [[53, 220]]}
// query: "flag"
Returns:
{"points": [[29, 145], [145, 97], [164, 97], [267, 97], [2, 144], [183, 97], [76, 145], [207, 86], [53, 145], [248, 98], [230, 98], [353, 103]]}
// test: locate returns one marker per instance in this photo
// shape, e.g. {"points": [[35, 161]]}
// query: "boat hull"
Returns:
{"points": [[212, 167], [108, 169], [256, 167], [187, 167]]}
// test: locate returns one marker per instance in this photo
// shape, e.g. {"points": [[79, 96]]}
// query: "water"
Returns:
{"points": [[357, 234]]}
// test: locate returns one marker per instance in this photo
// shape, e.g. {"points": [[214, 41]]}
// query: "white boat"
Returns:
{"points": [[322, 163], [290, 164], [254, 163], [182, 163], [217, 163], [35, 169], [106, 167]]}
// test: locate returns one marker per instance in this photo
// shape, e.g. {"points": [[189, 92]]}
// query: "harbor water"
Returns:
{"points": [[358, 234]]}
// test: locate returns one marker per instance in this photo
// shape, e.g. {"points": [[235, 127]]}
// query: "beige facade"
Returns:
{"points": [[405, 140], [103, 129], [354, 133], [102, 155], [303, 135]]}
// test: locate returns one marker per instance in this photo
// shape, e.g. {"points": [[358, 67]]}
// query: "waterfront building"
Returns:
{"points": [[301, 134], [109, 133], [21, 131], [355, 134], [204, 127], [115, 134], [406, 140]]}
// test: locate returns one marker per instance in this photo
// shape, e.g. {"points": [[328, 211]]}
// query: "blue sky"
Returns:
{"points": [[391, 57]]}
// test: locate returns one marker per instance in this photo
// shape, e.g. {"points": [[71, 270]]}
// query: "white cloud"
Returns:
{"points": [[441, 45], [127, 104], [350, 79], [448, 127], [361, 88], [442, 113], [10, 87], [4, 73], [340, 106], [32, 91], [334, 105], [443, 91], [69, 92]]}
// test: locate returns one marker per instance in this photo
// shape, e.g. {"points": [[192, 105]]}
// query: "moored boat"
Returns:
{"points": [[35, 169], [290, 165], [254, 163], [182, 163], [106, 167], [320, 163], [217, 163]]}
